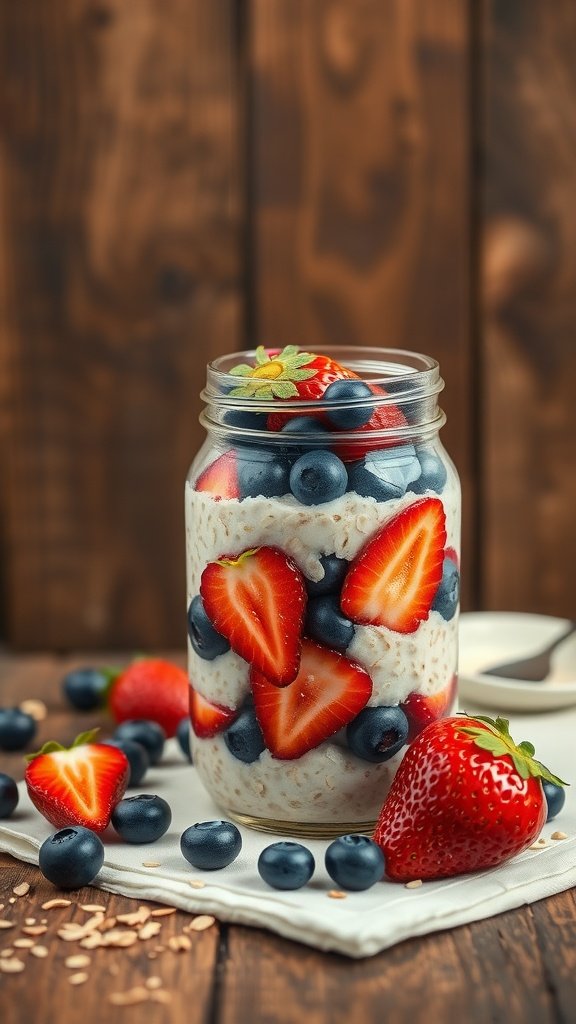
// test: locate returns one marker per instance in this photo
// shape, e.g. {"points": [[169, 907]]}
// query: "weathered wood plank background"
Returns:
{"points": [[178, 179]]}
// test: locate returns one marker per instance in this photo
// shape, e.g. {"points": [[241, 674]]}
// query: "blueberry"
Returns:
{"points": [[448, 593], [326, 623], [335, 570], [555, 798], [206, 641], [16, 729], [148, 733], [354, 862], [353, 416], [317, 477], [386, 473], [245, 419], [183, 737], [286, 865], [244, 738], [433, 476], [86, 688], [138, 758], [141, 819], [376, 734], [304, 425], [211, 845], [71, 857], [9, 795], [412, 409], [263, 473]]}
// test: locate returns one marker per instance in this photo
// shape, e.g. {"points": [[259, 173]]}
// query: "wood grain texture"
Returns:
{"points": [[529, 307], [360, 187], [517, 968], [119, 276]]}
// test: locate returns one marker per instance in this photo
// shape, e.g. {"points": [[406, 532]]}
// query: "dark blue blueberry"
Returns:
{"points": [[138, 758], [244, 738], [354, 862], [8, 795], [244, 419], [141, 819], [211, 845], [376, 734], [386, 473], [353, 416], [304, 425], [286, 865], [86, 688], [335, 570], [326, 623], [148, 733], [448, 593], [555, 798], [183, 737], [263, 473], [433, 476], [16, 729], [317, 477], [206, 641], [71, 857]]}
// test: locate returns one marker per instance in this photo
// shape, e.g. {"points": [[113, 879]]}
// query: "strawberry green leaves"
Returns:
{"points": [[274, 376], [52, 747], [494, 736]]}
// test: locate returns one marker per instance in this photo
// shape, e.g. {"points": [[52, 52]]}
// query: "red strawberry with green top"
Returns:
{"points": [[465, 798], [421, 710], [257, 601], [77, 786], [220, 478], [150, 688], [328, 692], [208, 719], [394, 579]]}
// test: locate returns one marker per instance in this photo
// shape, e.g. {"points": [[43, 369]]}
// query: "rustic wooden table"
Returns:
{"points": [[520, 966]]}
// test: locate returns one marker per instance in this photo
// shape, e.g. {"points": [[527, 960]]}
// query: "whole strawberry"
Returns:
{"points": [[465, 798], [151, 688]]}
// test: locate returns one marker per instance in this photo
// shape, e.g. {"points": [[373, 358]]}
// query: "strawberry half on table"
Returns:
{"points": [[394, 579], [257, 600], [150, 688], [79, 785], [465, 798]]}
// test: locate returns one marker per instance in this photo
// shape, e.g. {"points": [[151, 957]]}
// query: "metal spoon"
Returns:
{"points": [[534, 669]]}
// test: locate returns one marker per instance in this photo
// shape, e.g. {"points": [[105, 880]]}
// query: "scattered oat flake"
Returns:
{"points": [[336, 894], [6, 953], [179, 943], [120, 938], [107, 924], [29, 920], [93, 908], [163, 911], [139, 916], [12, 966], [92, 941], [196, 883], [70, 934], [200, 923], [139, 994], [52, 904], [22, 889], [35, 708], [39, 951], [6, 924], [77, 961], [35, 929], [153, 982], [536, 846], [78, 979], [151, 864], [149, 930], [558, 835], [414, 884], [23, 943], [12, 899]]}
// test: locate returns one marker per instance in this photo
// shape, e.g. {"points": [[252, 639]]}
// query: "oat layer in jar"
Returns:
{"points": [[322, 539]]}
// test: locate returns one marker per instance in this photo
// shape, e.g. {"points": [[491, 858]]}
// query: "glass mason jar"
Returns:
{"points": [[322, 540]]}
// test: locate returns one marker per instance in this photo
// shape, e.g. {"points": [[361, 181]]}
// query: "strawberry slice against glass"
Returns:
{"points": [[328, 692], [208, 719], [465, 798], [80, 785], [220, 478], [257, 600], [394, 579]]}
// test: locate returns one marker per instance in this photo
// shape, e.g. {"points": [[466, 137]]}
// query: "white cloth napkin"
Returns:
{"points": [[360, 925]]}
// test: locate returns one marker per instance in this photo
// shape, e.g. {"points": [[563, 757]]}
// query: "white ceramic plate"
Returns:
{"points": [[490, 638]]}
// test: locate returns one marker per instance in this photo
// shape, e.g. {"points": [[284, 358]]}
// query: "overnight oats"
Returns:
{"points": [[322, 538]]}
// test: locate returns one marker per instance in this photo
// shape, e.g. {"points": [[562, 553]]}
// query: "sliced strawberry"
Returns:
{"points": [[79, 786], [384, 417], [328, 692], [394, 579], [421, 710], [150, 688], [452, 554], [208, 719], [257, 601], [220, 478]]}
